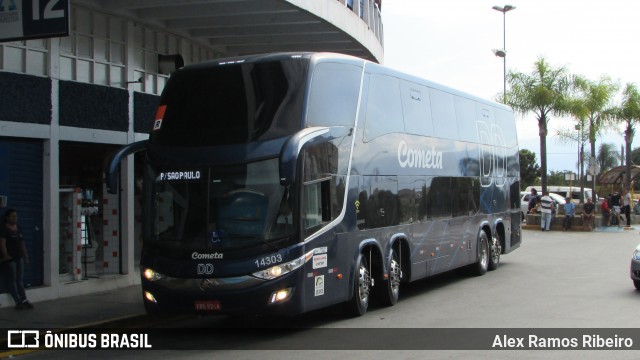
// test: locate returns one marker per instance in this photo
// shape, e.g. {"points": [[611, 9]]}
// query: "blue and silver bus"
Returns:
{"points": [[284, 183]]}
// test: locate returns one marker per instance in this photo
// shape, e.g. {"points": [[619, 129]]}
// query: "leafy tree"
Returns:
{"points": [[628, 113], [529, 169], [557, 178], [544, 92], [577, 134], [592, 101], [635, 156]]}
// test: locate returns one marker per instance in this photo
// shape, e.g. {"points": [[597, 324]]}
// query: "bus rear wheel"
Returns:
{"points": [[359, 303], [495, 251], [482, 265], [390, 292]]}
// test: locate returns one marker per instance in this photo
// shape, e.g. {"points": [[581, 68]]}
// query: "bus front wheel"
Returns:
{"points": [[359, 303]]}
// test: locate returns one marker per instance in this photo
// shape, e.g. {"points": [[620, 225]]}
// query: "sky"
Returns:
{"points": [[451, 42]]}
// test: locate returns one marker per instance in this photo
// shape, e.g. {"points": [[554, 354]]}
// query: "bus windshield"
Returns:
{"points": [[231, 104], [220, 208]]}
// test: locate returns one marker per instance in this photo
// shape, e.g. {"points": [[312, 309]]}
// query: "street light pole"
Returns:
{"points": [[580, 128], [503, 53]]}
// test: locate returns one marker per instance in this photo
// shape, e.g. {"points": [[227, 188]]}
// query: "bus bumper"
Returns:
{"points": [[211, 296]]}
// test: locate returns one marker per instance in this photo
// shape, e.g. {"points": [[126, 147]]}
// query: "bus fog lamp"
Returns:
{"points": [[150, 297], [280, 296], [151, 275]]}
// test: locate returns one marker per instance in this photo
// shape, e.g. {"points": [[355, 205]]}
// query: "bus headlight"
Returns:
{"points": [[149, 296], [151, 275], [282, 269]]}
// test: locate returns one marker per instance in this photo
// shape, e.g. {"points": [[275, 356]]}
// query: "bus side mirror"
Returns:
{"points": [[112, 172], [291, 149]]}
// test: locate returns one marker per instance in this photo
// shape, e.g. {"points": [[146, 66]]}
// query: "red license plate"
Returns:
{"points": [[207, 305]]}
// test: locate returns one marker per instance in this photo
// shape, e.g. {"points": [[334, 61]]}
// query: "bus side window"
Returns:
{"points": [[317, 205], [443, 112], [342, 98], [361, 208], [320, 203], [416, 109], [464, 193], [384, 109], [439, 198]]}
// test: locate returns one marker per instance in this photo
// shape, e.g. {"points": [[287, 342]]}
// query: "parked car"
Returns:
{"points": [[564, 191], [524, 202], [635, 267]]}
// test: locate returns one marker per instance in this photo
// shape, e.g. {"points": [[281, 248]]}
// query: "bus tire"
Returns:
{"points": [[482, 265], [495, 251], [390, 292], [359, 303]]}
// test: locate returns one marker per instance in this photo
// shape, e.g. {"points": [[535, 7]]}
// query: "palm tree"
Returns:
{"points": [[607, 157], [543, 92], [577, 134], [628, 113], [592, 101]]}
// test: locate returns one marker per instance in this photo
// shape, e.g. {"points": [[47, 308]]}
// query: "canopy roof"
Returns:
{"points": [[618, 175]]}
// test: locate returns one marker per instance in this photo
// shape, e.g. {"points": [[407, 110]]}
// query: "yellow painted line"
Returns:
{"points": [[102, 322], [9, 354], [13, 353]]}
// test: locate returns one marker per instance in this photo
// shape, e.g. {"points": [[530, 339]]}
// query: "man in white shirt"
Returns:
{"points": [[546, 208]]}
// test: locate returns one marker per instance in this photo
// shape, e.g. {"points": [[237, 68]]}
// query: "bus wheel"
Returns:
{"points": [[361, 289], [480, 268], [390, 292], [495, 250]]}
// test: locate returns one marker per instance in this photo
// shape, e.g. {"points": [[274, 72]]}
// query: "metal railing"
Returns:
{"points": [[369, 12]]}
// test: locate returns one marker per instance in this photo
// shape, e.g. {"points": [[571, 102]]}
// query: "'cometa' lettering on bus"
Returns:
{"points": [[214, 256], [418, 158]]}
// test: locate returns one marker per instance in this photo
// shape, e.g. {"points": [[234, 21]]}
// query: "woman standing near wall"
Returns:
{"points": [[13, 254]]}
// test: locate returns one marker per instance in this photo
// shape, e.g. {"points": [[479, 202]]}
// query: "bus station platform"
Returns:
{"points": [[121, 308], [90, 310]]}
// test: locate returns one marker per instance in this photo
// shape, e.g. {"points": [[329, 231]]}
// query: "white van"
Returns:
{"points": [[565, 191]]}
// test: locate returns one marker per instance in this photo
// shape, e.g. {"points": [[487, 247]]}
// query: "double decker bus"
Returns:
{"points": [[284, 183]]}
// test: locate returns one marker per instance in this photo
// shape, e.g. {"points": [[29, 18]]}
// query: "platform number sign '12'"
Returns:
{"points": [[33, 19]]}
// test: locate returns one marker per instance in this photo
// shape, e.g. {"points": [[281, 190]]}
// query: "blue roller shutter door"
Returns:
{"points": [[21, 181]]}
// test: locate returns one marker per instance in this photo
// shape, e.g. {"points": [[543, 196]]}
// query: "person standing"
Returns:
{"points": [[626, 200], [569, 213], [546, 208], [533, 199], [13, 254], [616, 205], [604, 208]]}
